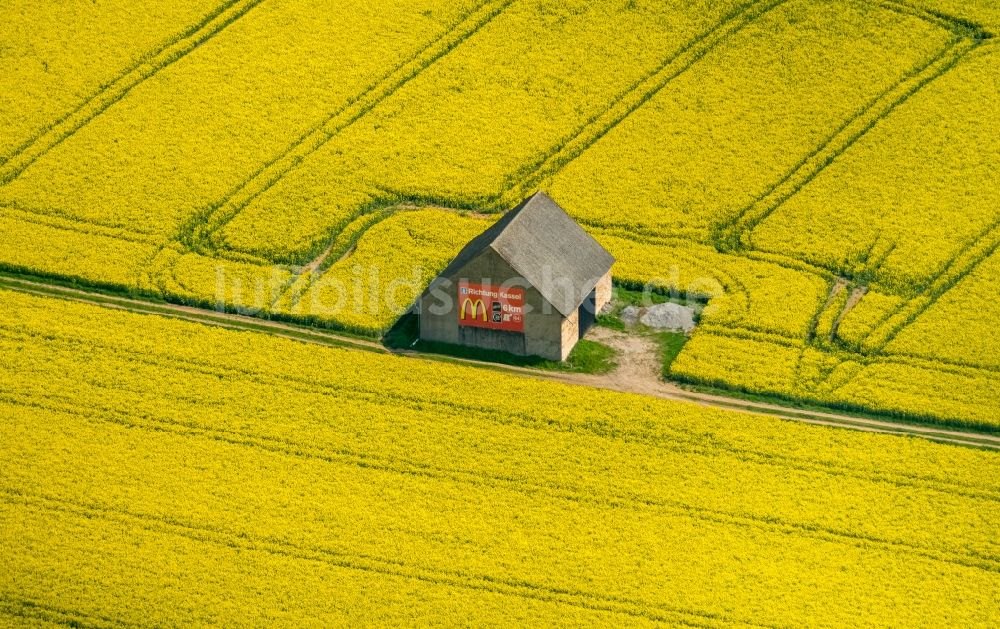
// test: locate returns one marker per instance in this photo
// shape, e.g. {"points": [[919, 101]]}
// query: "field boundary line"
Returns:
{"points": [[504, 586], [930, 431], [553, 490], [667, 391], [735, 234], [194, 314], [632, 99], [863, 425], [115, 91], [198, 231]]}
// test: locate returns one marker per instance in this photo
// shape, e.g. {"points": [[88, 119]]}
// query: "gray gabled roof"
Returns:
{"points": [[547, 248]]}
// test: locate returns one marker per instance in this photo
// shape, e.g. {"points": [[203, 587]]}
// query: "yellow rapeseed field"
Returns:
{"points": [[913, 387], [861, 321], [465, 128], [715, 139], [818, 170], [187, 136], [371, 286], [56, 56], [860, 218], [822, 175], [945, 332], [162, 472], [982, 12]]}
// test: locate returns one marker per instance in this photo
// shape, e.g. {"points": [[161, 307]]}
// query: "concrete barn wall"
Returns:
{"points": [[570, 333], [543, 325], [604, 292]]}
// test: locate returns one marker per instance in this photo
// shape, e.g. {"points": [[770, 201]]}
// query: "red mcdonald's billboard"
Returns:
{"points": [[491, 307]]}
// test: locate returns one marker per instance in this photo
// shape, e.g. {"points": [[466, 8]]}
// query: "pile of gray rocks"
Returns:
{"points": [[668, 316]]}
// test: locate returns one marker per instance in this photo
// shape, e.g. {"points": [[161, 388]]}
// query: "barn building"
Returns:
{"points": [[532, 285]]}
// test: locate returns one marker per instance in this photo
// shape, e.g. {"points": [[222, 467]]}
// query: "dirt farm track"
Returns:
{"points": [[636, 372]]}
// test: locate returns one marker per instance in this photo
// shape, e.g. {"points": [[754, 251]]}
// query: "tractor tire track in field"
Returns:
{"points": [[837, 286], [965, 261], [729, 282], [857, 294], [549, 490], [667, 391], [99, 102], [954, 367], [674, 442], [858, 360], [197, 232], [570, 148], [192, 30], [735, 234], [33, 612], [336, 250], [624, 105], [855, 297], [941, 365], [950, 22], [55, 220], [504, 586]]}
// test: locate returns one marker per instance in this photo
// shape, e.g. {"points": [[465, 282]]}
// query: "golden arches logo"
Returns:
{"points": [[474, 306]]}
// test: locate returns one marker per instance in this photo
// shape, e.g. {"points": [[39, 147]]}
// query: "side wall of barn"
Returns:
{"points": [[570, 334], [543, 325], [604, 292]]}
